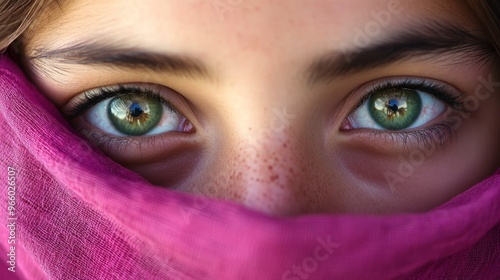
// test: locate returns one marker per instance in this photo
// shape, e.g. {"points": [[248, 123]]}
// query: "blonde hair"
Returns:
{"points": [[15, 17]]}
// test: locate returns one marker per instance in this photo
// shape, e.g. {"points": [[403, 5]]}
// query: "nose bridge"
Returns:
{"points": [[268, 171], [261, 155], [264, 162]]}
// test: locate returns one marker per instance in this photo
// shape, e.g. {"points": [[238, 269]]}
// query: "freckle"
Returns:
{"points": [[212, 191], [237, 196]]}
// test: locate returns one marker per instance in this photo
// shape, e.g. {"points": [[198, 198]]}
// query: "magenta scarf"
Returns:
{"points": [[76, 214]]}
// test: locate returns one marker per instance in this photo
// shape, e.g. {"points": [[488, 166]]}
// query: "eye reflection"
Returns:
{"points": [[397, 108], [129, 111], [134, 115]]}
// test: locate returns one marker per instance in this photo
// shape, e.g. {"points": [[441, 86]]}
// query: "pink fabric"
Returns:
{"points": [[82, 216]]}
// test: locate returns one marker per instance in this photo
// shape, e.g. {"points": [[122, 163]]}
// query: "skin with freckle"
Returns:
{"points": [[263, 136]]}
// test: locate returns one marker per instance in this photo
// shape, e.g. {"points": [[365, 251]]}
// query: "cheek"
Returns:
{"points": [[290, 177], [424, 178], [413, 181], [172, 170], [420, 179]]}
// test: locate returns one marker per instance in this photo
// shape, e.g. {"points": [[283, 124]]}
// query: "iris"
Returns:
{"points": [[134, 115], [395, 109]]}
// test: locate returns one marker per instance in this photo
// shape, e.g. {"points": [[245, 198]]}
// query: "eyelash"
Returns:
{"points": [[437, 90], [93, 97], [438, 133]]}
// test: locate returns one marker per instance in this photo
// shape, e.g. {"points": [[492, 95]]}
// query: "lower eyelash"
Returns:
{"points": [[427, 139], [105, 142], [118, 144]]}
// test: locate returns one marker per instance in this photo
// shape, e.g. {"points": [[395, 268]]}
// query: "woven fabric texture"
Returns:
{"points": [[79, 215]]}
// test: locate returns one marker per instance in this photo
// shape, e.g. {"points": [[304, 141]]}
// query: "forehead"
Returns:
{"points": [[243, 41], [257, 25]]}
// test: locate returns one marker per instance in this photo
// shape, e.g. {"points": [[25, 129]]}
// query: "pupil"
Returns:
{"points": [[395, 109], [135, 110], [394, 105]]}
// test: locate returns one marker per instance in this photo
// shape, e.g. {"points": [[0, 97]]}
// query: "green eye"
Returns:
{"points": [[395, 109], [134, 115]]}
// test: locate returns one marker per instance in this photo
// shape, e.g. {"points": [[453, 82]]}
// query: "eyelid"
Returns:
{"points": [[440, 90], [437, 132], [87, 99]]}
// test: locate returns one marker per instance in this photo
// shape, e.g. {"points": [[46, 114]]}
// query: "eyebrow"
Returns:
{"points": [[430, 41], [105, 54]]}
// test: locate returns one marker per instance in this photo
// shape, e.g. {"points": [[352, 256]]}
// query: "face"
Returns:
{"points": [[379, 106]]}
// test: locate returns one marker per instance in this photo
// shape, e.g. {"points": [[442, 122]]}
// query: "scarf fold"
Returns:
{"points": [[79, 215]]}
